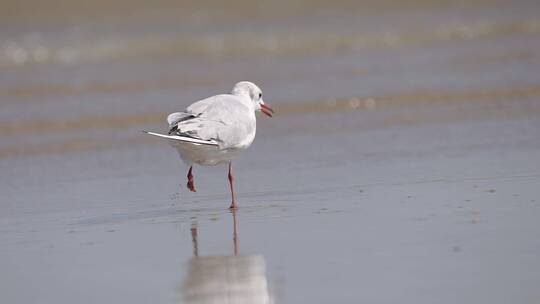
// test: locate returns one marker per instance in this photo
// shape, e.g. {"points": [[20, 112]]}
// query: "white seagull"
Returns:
{"points": [[214, 130]]}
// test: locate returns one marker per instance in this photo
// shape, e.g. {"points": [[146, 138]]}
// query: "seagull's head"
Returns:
{"points": [[255, 95]]}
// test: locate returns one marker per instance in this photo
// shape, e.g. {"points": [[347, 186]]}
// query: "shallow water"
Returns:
{"points": [[402, 164]]}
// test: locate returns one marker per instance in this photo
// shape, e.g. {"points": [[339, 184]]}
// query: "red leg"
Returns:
{"points": [[231, 178], [190, 184]]}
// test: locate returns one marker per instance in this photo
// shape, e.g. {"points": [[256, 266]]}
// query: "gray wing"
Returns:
{"points": [[221, 118], [192, 111], [200, 106]]}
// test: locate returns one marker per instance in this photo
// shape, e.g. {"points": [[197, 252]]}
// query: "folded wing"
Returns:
{"points": [[221, 118]]}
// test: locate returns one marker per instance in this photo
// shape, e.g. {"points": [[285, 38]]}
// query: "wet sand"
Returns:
{"points": [[403, 162]]}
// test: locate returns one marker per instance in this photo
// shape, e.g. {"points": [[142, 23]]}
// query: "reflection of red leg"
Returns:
{"points": [[194, 241], [231, 178], [235, 232], [190, 184]]}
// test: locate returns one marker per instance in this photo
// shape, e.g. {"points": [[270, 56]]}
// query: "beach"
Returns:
{"points": [[402, 163]]}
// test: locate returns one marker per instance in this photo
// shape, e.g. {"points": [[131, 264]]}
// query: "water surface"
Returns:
{"points": [[402, 163]]}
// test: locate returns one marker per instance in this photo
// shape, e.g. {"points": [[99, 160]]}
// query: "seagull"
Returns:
{"points": [[214, 130]]}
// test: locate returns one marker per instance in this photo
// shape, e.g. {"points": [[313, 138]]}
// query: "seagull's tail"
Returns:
{"points": [[185, 139]]}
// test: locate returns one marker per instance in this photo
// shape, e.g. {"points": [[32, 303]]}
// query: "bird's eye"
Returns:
{"points": [[260, 95]]}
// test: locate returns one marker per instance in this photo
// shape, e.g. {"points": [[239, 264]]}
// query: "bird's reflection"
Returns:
{"points": [[225, 279]]}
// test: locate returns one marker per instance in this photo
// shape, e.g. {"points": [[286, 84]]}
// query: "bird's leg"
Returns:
{"points": [[231, 178], [190, 184]]}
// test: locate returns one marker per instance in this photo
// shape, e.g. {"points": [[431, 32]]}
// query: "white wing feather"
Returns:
{"points": [[185, 139]]}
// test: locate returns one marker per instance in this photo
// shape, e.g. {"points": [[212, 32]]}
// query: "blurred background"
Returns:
{"points": [[99, 70], [402, 162]]}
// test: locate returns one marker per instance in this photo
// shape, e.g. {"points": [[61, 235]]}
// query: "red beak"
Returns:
{"points": [[267, 110]]}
